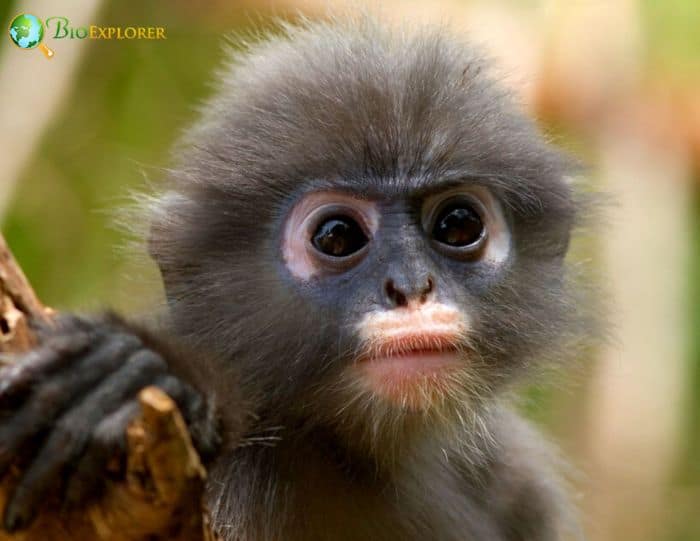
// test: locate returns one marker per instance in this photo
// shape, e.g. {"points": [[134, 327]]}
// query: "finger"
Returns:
{"points": [[108, 442], [57, 351], [72, 432], [198, 415], [187, 399], [52, 397]]}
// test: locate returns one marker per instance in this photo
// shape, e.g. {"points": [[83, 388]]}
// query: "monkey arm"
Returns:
{"points": [[67, 405], [132, 444]]}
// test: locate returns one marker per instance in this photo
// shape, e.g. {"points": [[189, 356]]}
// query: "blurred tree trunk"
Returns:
{"points": [[595, 78], [638, 393], [33, 88]]}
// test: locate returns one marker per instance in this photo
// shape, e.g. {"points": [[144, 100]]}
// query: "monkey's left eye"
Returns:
{"points": [[459, 225], [339, 236]]}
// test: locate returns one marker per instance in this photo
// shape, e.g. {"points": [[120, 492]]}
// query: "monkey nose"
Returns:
{"points": [[401, 294]]}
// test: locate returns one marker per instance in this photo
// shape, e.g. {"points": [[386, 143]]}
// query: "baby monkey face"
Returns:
{"points": [[403, 274]]}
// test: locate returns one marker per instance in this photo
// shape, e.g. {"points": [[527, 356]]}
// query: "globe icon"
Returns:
{"points": [[26, 31]]}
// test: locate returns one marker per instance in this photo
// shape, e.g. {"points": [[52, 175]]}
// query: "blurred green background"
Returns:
{"points": [[125, 102]]}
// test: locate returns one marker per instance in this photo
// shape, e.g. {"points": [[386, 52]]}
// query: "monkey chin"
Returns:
{"points": [[415, 380]]}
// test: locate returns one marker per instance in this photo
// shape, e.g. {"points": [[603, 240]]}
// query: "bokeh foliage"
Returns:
{"points": [[131, 100]]}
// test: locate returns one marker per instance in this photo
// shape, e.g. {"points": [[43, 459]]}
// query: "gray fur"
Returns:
{"points": [[353, 105]]}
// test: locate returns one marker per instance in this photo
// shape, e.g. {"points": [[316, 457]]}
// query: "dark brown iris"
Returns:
{"points": [[458, 225], [339, 236]]}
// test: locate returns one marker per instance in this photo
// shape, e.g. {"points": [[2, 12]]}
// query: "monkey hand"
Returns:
{"points": [[65, 406]]}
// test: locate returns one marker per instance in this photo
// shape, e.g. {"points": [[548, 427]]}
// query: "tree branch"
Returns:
{"points": [[162, 494]]}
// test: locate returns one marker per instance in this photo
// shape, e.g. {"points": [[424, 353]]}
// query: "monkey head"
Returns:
{"points": [[366, 228]]}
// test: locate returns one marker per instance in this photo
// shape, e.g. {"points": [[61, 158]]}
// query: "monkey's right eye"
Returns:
{"points": [[327, 232], [339, 236]]}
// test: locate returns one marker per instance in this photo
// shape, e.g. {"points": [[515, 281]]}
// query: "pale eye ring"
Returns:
{"points": [[328, 232]]}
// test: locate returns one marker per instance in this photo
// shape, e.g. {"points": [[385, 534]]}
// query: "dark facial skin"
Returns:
{"points": [[363, 245]]}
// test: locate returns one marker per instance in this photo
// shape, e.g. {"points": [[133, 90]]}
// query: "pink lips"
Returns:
{"points": [[408, 344], [412, 356], [410, 369]]}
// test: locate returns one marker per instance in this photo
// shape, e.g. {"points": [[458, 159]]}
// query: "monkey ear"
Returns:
{"points": [[579, 212], [155, 252], [153, 249], [165, 228], [547, 217], [154, 235]]}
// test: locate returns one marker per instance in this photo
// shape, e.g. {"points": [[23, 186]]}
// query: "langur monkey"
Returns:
{"points": [[363, 249]]}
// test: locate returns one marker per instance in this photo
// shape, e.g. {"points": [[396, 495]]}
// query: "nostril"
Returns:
{"points": [[429, 286], [398, 298]]}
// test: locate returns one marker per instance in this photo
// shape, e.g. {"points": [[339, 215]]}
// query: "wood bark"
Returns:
{"points": [[161, 496]]}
